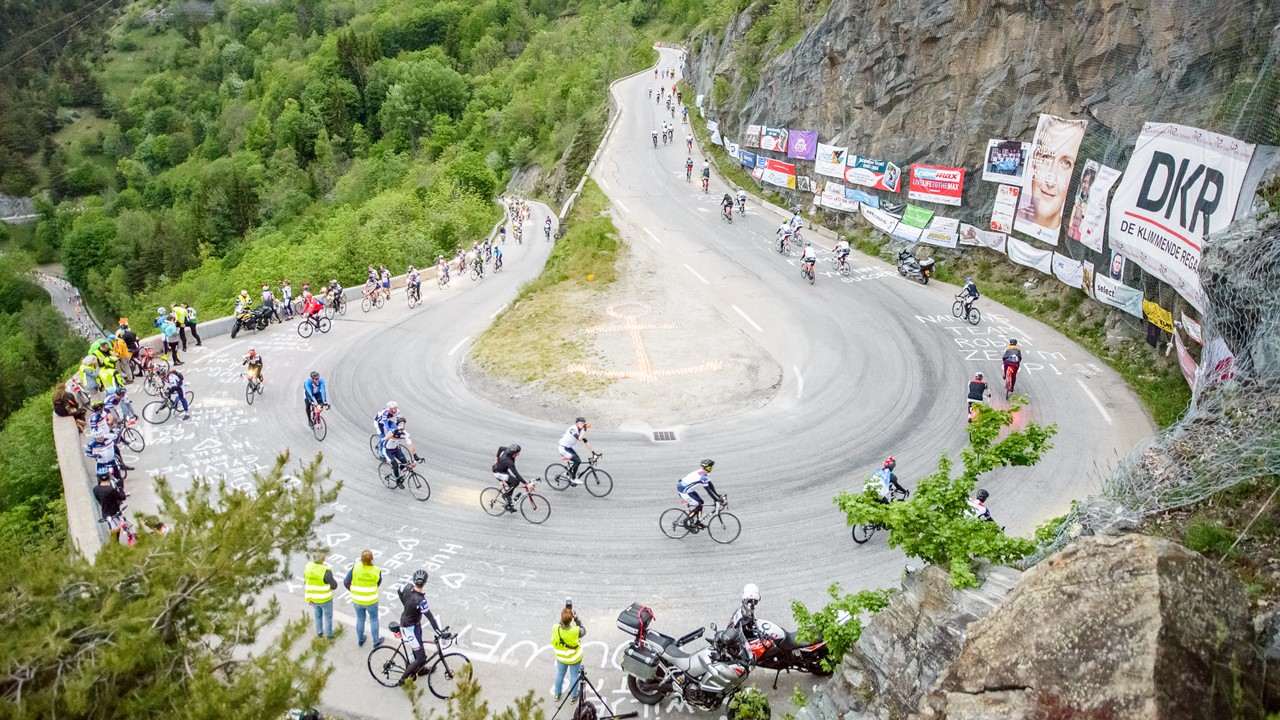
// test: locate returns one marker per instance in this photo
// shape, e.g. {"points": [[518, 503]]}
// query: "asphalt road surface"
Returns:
{"points": [[874, 366]]}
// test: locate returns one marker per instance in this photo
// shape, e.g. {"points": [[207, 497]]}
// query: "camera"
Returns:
{"points": [[568, 602]]}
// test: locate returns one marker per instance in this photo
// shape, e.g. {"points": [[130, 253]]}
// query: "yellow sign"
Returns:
{"points": [[1158, 316]]}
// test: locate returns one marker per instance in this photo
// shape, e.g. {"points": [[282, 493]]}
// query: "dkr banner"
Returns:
{"points": [[932, 183], [1068, 271], [1117, 294], [881, 220], [776, 172], [1182, 184], [774, 139], [1033, 257], [1006, 161], [746, 158], [1044, 189], [830, 160], [970, 235], [804, 144], [833, 198], [1089, 223], [916, 217], [753, 136], [1006, 205], [878, 174], [1157, 315]]}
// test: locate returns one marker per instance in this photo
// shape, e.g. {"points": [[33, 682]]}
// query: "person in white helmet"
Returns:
{"points": [[386, 422]]}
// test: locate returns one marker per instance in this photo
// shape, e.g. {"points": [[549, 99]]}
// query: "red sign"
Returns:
{"points": [[932, 183]]}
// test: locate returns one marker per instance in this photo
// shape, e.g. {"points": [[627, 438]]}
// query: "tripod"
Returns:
{"points": [[582, 699]]}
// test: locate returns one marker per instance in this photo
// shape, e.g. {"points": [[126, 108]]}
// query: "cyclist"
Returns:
{"points": [[462, 261], [502, 234], [176, 392], [477, 264], [396, 438], [254, 362], [796, 222], [1012, 361], [684, 114], [371, 289], [809, 257], [688, 142], [385, 421], [577, 431], [333, 292], [784, 235], [688, 168], [372, 275], [105, 460], [497, 259], [546, 227], [884, 482], [100, 421], [386, 282], [314, 392], [978, 508], [688, 486], [978, 390], [742, 201], [118, 404], [269, 301], [968, 294], [415, 608], [726, 204], [504, 470], [414, 281], [442, 268], [311, 305], [842, 252], [654, 134]]}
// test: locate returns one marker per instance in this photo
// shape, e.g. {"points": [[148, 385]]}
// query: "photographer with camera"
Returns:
{"points": [[566, 637]]}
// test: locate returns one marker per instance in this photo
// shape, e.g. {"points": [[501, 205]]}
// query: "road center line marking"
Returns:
{"points": [[1105, 415], [799, 381], [603, 184], [619, 203], [655, 237], [753, 322], [464, 340], [695, 274], [495, 312]]}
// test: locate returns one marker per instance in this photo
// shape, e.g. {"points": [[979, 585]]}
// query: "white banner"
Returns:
{"points": [[904, 231], [1092, 224], [883, 221], [1217, 362], [715, 138], [1182, 185], [1050, 166], [713, 126], [1185, 361], [1006, 204], [833, 198], [731, 147], [1024, 254], [1117, 294], [1192, 328], [944, 224], [830, 160], [970, 235], [1070, 272], [941, 238]]}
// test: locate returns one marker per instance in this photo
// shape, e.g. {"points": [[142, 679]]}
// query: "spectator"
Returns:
{"points": [[66, 405], [319, 586], [362, 582], [191, 323], [169, 328], [180, 322], [566, 639]]}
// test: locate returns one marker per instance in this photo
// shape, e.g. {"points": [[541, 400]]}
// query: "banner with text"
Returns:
{"points": [[881, 220], [1067, 270], [753, 136], [1157, 315], [774, 139], [746, 158], [830, 160], [731, 148], [904, 231], [776, 172], [804, 144], [1117, 294], [970, 235], [916, 216], [864, 198], [1089, 225], [833, 198], [943, 232], [1049, 169], [1192, 329], [1006, 161], [868, 172], [1006, 205], [1182, 184], [1033, 257], [933, 183]]}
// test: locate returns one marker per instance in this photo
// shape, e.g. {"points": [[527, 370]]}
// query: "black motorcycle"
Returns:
{"points": [[253, 319], [775, 648]]}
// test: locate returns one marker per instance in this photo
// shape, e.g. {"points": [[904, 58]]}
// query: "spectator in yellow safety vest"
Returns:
{"points": [[566, 640], [363, 581], [318, 584]]}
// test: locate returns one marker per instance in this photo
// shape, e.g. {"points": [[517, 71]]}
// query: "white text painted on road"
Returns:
{"points": [[744, 317]]}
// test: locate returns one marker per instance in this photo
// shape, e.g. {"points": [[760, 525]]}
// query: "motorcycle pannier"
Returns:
{"points": [[640, 662], [635, 620]]}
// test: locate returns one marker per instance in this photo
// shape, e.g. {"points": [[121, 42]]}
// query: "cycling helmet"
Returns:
{"points": [[401, 420], [333, 281], [983, 495], [750, 595], [266, 286], [420, 577], [439, 257], [124, 322], [1013, 341], [580, 419], [119, 391], [97, 404], [392, 405], [89, 360], [808, 243], [252, 351], [890, 464], [707, 464], [161, 310], [410, 268], [315, 375], [968, 279], [977, 376], [513, 449]]}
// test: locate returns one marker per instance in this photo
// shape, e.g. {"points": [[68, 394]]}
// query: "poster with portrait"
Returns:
{"points": [[731, 148], [753, 136], [1051, 163], [1182, 184], [774, 139], [872, 173], [1116, 271], [804, 144], [830, 160], [970, 235], [1006, 205], [1005, 162], [1093, 220], [933, 183]]}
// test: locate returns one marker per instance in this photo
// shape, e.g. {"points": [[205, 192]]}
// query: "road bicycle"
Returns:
{"points": [[688, 173], [533, 506], [388, 663], [806, 271], [252, 387], [158, 411], [842, 266], [318, 427], [409, 477], [958, 310], [442, 279], [546, 230], [336, 306], [1010, 378], [742, 207], [369, 302], [864, 531], [128, 532], [784, 244], [723, 527], [414, 294], [477, 269], [311, 323], [706, 184], [132, 438], [726, 214], [596, 481]]}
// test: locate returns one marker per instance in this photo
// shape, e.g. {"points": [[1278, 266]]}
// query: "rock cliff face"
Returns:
{"points": [[932, 80]]}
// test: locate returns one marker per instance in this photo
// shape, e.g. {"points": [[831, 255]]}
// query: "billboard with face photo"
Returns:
{"points": [[1044, 190]]}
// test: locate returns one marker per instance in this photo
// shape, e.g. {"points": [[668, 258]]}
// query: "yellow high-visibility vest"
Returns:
{"points": [[317, 590], [364, 584], [565, 642]]}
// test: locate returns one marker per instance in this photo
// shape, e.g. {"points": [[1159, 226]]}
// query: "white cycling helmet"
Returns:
{"points": [[392, 405], [750, 594]]}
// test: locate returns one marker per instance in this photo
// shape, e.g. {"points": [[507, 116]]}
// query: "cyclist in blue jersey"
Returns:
{"points": [[314, 392], [689, 485]]}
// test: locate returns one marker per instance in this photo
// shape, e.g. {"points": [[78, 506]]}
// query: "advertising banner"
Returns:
{"points": [[1033, 257], [731, 148], [804, 144], [905, 232], [916, 217], [1157, 315], [753, 136], [715, 138], [881, 220], [1192, 328], [1218, 362], [1185, 362], [932, 183], [776, 172], [878, 174], [833, 198], [746, 158], [1117, 294], [970, 235], [774, 139], [943, 232], [1051, 163], [1182, 184], [1006, 204], [713, 126], [1070, 272], [1092, 225], [830, 160], [1006, 162], [861, 197], [951, 225], [806, 184]]}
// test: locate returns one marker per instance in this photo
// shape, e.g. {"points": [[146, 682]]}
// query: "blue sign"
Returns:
{"points": [[747, 158], [858, 196]]}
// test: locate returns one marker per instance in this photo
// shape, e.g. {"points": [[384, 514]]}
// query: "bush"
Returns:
{"points": [[839, 623], [749, 704], [1209, 538]]}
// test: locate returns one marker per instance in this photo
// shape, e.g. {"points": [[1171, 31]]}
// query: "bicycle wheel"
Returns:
{"points": [[724, 528], [475, 274], [373, 447], [380, 300], [133, 439], [320, 429], [442, 678], [413, 299], [157, 411], [862, 532], [975, 316], [535, 508], [366, 304], [811, 275], [557, 476], [341, 304], [387, 665], [418, 487], [672, 523], [330, 310], [306, 327], [957, 309], [248, 392], [1008, 385], [387, 475], [491, 501], [598, 482], [151, 384], [441, 281], [324, 324]]}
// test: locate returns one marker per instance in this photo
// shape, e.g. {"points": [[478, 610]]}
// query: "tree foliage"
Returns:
{"points": [[161, 629], [935, 525], [839, 622]]}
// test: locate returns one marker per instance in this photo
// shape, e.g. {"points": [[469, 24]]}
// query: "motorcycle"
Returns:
{"points": [[252, 318], [775, 648], [656, 666], [909, 266]]}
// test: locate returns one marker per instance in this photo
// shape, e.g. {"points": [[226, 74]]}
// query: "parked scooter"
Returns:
{"points": [[909, 266]]}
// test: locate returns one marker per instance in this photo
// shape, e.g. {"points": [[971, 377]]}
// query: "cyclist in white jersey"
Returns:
{"points": [[577, 431]]}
